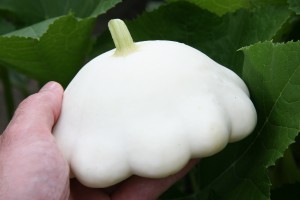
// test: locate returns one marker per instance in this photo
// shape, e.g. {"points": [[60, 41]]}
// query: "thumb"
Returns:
{"points": [[31, 165], [37, 113]]}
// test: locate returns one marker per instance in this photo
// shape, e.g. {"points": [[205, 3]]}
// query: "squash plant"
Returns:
{"points": [[257, 39]]}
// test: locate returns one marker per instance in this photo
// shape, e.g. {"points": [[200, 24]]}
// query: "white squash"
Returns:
{"points": [[147, 108]]}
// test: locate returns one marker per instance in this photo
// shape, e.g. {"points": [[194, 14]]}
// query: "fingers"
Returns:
{"points": [[80, 192], [38, 111], [137, 188]]}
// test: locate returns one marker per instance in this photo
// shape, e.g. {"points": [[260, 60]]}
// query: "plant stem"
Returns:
{"points": [[8, 95], [121, 37]]}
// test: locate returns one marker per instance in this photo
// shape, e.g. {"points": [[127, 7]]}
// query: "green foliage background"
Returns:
{"points": [[258, 39]]}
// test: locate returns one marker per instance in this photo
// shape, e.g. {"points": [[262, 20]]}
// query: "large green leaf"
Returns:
{"points": [[259, 3], [5, 27], [33, 31], [295, 5], [56, 55], [32, 11], [220, 7], [218, 37], [53, 49], [272, 73]]}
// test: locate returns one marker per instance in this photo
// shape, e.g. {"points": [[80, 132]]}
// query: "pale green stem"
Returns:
{"points": [[121, 37]]}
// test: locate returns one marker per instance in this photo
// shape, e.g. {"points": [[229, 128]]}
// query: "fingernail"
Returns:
{"points": [[49, 86]]}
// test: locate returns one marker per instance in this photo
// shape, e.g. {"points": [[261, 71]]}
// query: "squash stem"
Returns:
{"points": [[121, 37]]}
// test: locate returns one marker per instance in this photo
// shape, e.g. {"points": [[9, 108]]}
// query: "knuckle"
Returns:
{"points": [[34, 100]]}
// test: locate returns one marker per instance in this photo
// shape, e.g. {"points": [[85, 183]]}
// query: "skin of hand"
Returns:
{"points": [[32, 167]]}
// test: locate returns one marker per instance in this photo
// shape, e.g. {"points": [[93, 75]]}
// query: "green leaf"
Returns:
{"points": [[5, 27], [33, 11], [56, 55], [219, 7], [100, 8], [56, 48], [33, 31], [260, 3], [218, 37], [272, 73], [295, 6]]}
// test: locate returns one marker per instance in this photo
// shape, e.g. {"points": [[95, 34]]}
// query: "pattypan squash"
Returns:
{"points": [[147, 108]]}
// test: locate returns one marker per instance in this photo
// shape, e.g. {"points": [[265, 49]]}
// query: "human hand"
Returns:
{"points": [[32, 167]]}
